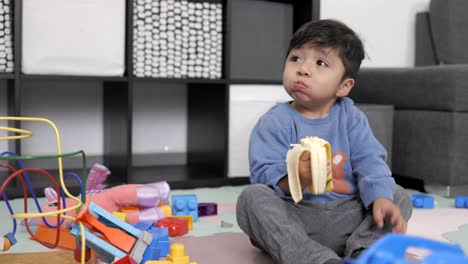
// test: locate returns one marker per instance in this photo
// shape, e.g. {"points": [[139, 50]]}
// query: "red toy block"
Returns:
{"points": [[125, 260], [176, 227], [77, 254]]}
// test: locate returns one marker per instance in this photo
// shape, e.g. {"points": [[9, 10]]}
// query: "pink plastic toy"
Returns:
{"points": [[144, 196]]}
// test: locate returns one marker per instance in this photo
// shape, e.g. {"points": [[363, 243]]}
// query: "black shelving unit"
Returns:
{"points": [[207, 99]]}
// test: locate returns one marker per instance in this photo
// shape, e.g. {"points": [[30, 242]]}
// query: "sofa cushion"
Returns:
{"points": [[431, 146], [424, 48], [442, 87], [449, 24]]}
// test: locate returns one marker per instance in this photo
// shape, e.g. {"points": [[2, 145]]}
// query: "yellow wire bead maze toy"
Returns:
{"points": [[9, 240]]}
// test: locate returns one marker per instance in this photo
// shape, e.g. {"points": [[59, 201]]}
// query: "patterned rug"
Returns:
{"points": [[211, 242]]}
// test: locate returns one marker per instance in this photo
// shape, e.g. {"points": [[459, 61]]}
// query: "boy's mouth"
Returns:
{"points": [[300, 85]]}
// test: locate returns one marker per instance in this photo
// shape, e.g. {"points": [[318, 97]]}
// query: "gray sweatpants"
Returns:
{"points": [[309, 232]]}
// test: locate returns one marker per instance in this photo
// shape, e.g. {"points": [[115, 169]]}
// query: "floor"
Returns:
{"points": [[209, 242]]}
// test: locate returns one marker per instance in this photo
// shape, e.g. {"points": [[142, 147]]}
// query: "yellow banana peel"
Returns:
{"points": [[320, 158]]}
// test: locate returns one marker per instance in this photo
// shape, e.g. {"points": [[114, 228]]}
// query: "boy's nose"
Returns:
{"points": [[302, 71]]}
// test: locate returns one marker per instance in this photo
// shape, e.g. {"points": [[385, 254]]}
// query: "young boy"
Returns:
{"points": [[322, 62]]}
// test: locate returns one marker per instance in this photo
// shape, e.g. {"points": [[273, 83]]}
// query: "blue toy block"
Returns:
{"points": [[161, 240], [11, 237], [143, 226], [185, 205], [152, 253], [160, 233], [422, 201], [391, 249], [461, 201]]}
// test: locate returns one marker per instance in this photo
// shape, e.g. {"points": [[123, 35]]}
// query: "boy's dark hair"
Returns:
{"points": [[334, 34]]}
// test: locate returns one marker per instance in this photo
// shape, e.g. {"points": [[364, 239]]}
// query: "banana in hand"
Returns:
{"points": [[320, 157]]}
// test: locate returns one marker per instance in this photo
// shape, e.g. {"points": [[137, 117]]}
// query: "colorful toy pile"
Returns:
{"points": [[129, 223]]}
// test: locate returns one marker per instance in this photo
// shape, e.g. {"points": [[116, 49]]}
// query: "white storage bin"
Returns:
{"points": [[6, 36], [73, 37], [247, 104], [178, 39]]}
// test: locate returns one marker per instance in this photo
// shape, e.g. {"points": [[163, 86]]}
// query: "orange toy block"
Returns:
{"points": [[128, 209], [48, 235]]}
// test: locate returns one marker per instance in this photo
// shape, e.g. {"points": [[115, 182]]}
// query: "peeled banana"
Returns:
{"points": [[320, 158]]}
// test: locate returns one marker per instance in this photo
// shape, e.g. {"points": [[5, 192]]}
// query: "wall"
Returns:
{"points": [[386, 27]]}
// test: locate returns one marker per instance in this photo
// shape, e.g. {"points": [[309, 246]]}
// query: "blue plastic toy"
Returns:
{"points": [[391, 249], [422, 201], [185, 205], [461, 201]]}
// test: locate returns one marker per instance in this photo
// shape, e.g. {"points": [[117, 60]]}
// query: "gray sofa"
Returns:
{"points": [[430, 135]]}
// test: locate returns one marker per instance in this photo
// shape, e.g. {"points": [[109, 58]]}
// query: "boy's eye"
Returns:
{"points": [[295, 58], [322, 63]]}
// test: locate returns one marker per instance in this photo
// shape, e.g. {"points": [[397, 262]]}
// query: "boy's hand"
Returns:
{"points": [[305, 170], [386, 209]]}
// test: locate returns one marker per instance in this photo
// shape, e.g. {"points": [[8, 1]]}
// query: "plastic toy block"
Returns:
{"points": [[158, 262], [7, 241], [206, 209], [225, 224], [177, 254], [167, 210], [129, 209], [176, 227], [143, 242], [11, 237], [143, 226], [77, 253], [4, 245], [422, 201], [185, 205], [125, 260], [189, 219], [48, 235], [152, 252], [160, 233], [461, 201], [120, 215], [392, 248], [160, 240]]}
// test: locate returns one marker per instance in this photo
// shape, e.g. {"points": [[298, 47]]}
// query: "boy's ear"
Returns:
{"points": [[345, 87]]}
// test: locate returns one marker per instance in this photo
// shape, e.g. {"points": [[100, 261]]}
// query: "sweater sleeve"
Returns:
{"points": [[368, 160], [267, 151]]}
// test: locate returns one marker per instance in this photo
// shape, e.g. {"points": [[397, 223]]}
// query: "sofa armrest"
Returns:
{"points": [[443, 87]]}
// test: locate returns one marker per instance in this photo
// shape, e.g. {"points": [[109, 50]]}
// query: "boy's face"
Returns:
{"points": [[313, 76]]}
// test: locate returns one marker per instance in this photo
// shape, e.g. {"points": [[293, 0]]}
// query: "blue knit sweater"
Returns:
{"points": [[358, 158]]}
